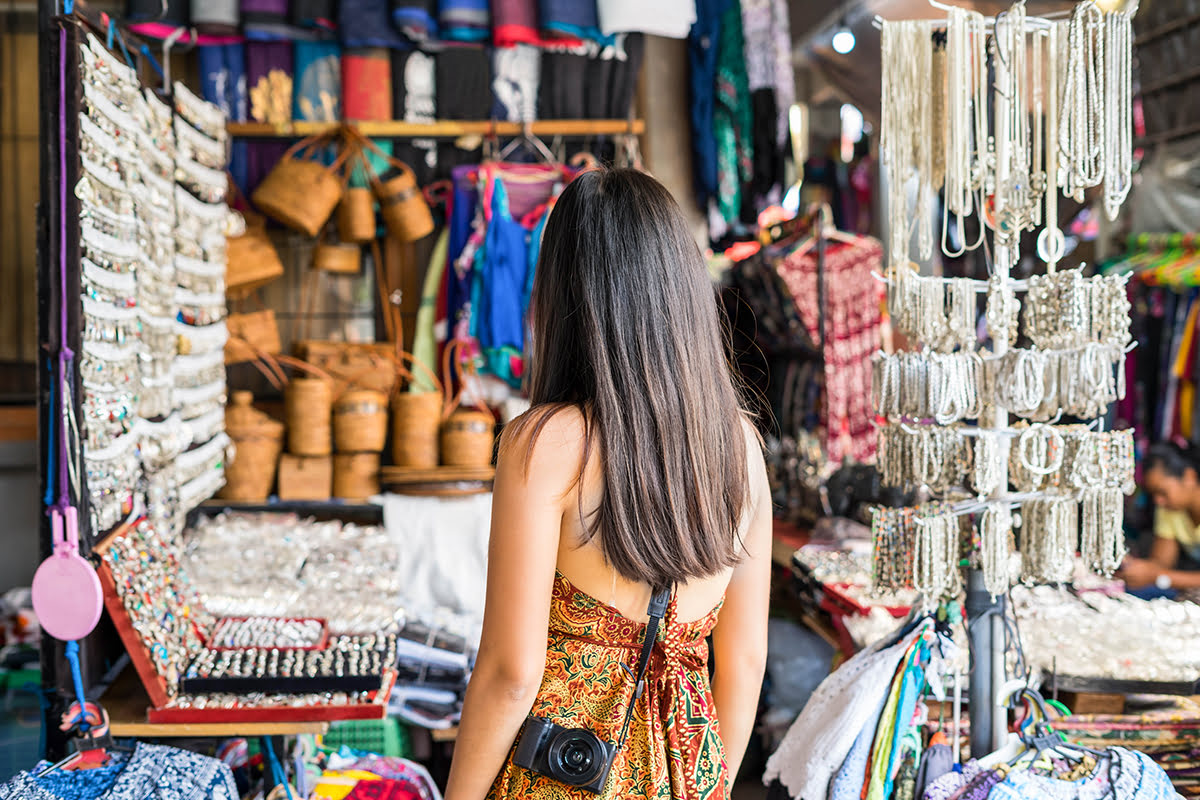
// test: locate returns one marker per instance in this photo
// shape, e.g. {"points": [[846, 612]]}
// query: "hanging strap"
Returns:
{"points": [[657, 610]]}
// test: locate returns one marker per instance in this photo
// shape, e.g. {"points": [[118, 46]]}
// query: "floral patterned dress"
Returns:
{"points": [[674, 747]]}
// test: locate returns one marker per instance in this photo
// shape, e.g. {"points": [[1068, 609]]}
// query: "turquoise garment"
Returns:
{"points": [[910, 692], [733, 116]]}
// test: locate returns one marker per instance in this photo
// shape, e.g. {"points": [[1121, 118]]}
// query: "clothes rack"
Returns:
{"points": [[443, 129]]}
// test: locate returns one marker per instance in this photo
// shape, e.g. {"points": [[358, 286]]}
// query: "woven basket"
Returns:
{"points": [[258, 441], [251, 262], [356, 215], [308, 403], [367, 365], [468, 438], [355, 475], [251, 334], [344, 259], [299, 192], [416, 419], [401, 203], [360, 422], [305, 477]]}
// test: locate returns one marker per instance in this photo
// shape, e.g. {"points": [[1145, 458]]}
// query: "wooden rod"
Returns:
{"points": [[444, 129]]}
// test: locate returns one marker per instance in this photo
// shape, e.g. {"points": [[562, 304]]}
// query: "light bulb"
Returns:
{"points": [[843, 41]]}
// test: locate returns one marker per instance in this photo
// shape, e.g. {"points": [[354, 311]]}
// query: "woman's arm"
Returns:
{"points": [[740, 638], [527, 510], [1164, 555]]}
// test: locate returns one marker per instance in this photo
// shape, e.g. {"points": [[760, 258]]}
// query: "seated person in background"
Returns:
{"points": [[1171, 476]]}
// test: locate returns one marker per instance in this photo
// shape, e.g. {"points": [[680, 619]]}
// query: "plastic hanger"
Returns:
{"points": [[532, 143]]}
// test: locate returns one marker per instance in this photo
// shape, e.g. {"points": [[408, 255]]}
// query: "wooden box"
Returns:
{"points": [[305, 477]]}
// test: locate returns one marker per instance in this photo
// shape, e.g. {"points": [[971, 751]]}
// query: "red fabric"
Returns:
{"points": [[852, 323], [383, 789], [367, 85]]}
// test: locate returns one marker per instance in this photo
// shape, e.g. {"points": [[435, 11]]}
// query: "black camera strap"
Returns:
{"points": [[657, 610]]}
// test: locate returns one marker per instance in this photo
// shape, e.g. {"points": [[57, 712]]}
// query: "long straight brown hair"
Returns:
{"points": [[625, 327]]}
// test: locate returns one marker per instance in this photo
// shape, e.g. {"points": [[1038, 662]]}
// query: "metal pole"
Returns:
{"points": [[981, 695]]}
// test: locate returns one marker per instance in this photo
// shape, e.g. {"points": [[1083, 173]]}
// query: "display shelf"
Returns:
{"points": [[438, 481], [127, 703], [442, 129], [320, 510]]}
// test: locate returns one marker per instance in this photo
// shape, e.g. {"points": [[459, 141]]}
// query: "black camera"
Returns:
{"points": [[573, 756]]}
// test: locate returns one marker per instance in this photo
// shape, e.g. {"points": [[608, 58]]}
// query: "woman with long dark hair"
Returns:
{"points": [[634, 478], [1171, 477]]}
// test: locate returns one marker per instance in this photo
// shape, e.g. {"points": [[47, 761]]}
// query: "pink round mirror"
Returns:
{"points": [[67, 597]]}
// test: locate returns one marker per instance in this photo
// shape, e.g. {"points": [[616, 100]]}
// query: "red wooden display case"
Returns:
{"points": [[156, 685]]}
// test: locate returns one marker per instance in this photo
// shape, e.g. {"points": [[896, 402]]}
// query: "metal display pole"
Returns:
{"points": [[989, 722]]}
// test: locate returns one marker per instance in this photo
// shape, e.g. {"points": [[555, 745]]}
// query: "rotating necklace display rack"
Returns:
{"points": [[1021, 109]]}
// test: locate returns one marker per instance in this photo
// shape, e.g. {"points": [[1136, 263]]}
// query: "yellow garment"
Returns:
{"points": [[1177, 525], [425, 340], [882, 748], [335, 785]]}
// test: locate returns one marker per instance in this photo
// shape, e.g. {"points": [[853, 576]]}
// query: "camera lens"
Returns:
{"points": [[576, 757]]}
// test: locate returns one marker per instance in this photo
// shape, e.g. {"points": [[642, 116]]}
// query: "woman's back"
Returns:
{"points": [[635, 468]]}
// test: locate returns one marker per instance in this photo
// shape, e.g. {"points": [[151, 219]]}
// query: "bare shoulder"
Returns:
{"points": [[755, 462], [545, 443]]}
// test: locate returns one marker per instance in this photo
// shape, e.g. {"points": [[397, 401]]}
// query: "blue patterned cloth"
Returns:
{"points": [[152, 772]]}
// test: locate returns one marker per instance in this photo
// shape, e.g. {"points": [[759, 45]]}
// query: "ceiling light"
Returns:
{"points": [[843, 41]]}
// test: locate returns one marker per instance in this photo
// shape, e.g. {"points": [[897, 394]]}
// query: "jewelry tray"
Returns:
{"points": [[210, 636], [163, 711]]}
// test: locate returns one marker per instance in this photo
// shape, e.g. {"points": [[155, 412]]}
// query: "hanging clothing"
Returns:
{"points": [[464, 20], [223, 83], [317, 92], [367, 23], [766, 28], [498, 291], [151, 771], [269, 71], [416, 19], [670, 18], [562, 90], [517, 74], [1122, 774], [817, 744], [852, 325], [266, 20], [733, 116], [570, 19], [464, 83], [674, 749], [424, 347], [317, 15], [702, 74], [515, 22]]}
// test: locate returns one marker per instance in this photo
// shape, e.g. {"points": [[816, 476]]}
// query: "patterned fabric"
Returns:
{"points": [[852, 324], [152, 772], [1122, 775], [674, 749], [733, 117]]}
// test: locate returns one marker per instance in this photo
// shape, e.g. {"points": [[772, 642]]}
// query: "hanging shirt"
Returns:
{"points": [[151, 771], [702, 60], [499, 288], [670, 18], [317, 91], [733, 117]]}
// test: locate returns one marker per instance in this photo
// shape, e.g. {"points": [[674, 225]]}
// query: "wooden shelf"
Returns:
{"points": [[126, 702], [443, 129]]}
